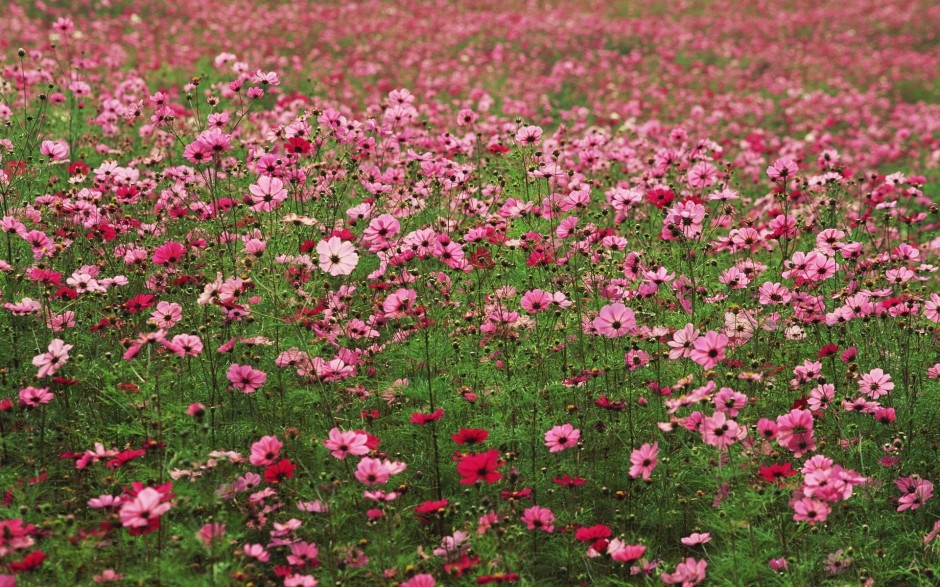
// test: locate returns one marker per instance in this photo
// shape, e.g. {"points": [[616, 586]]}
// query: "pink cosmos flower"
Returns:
{"points": [[108, 576], [166, 315], [421, 580], [916, 492], [55, 357], [688, 573], [782, 170], [719, 431], [197, 152], [372, 472], [795, 431], [536, 301], [209, 533], [256, 551], [345, 443], [643, 460], [561, 437], [709, 349], [615, 320], [267, 193], [702, 175], [266, 451], [682, 343], [33, 397], [696, 538], [625, 553], [810, 510], [876, 383], [189, 344], [528, 135], [539, 518], [146, 506], [337, 257], [399, 303], [932, 308], [246, 378], [54, 150]]}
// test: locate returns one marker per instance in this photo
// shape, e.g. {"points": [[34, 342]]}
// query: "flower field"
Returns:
{"points": [[442, 293]]}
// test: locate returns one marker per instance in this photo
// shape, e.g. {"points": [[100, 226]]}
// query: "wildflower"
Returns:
{"points": [[267, 193], [480, 467], [278, 472], [471, 436], [146, 507], [343, 443], [246, 378], [615, 320], [782, 170], [55, 357], [810, 510], [688, 573], [337, 257], [696, 538], [709, 349], [561, 437], [265, 451], [643, 460], [538, 518]]}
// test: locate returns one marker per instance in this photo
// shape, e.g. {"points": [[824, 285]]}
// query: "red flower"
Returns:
{"points": [[777, 473], [283, 469], [462, 566], [479, 467], [297, 145], [592, 533], [78, 167], [827, 351], [497, 578], [660, 197], [567, 481], [124, 457], [471, 436], [139, 302], [422, 419], [517, 495], [31, 561]]}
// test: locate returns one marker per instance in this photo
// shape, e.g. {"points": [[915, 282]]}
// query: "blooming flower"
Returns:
{"points": [[337, 257], [561, 437]]}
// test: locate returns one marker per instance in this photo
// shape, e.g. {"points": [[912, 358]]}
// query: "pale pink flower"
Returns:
{"points": [[337, 257], [55, 357]]}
